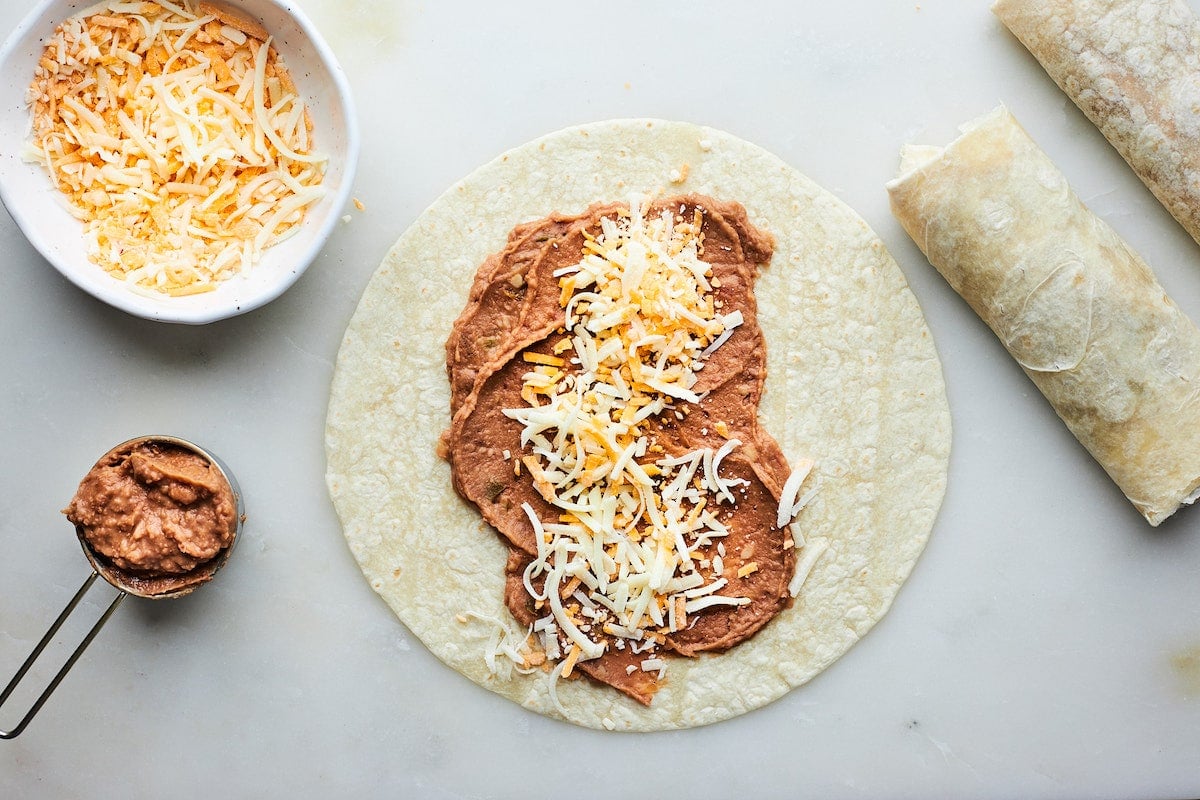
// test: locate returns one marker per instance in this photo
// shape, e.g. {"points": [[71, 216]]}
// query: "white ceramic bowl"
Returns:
{"points": [[39, 209]]}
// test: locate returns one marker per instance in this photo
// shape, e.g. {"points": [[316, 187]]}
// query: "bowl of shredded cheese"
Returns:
{"points": [[182, 160]]}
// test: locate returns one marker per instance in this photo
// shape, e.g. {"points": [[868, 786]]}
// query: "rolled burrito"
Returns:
{"points": [[1133, 67], [1078, 309]]}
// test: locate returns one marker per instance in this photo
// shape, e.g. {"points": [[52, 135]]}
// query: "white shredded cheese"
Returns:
{"points": [[507, 649], [655, 665], [810, 555], [788, 505], [552, 688]]}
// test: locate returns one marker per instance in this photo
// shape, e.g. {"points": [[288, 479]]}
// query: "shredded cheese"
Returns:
{"points": [[178, 139], [508, 650], [789, 503], [809, 556]]}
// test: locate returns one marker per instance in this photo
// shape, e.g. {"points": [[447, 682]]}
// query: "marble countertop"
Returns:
{"points": [[1046, 645]]}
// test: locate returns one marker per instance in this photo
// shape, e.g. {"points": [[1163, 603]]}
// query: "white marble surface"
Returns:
{"points": [[1038, 650]]}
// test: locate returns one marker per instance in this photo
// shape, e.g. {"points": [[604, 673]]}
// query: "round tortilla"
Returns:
{"points": [[853, 381]]}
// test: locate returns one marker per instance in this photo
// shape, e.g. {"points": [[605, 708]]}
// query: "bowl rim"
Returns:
{"points": [[160, 309]]}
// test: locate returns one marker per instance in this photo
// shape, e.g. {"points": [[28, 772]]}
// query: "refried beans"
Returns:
{"points": [[514, 321], [155, 508]]}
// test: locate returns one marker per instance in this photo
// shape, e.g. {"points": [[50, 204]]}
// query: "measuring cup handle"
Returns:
{"points": [[37, 651]]}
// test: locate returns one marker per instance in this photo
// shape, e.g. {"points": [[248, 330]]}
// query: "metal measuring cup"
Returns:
{"points": [[126, 581]]}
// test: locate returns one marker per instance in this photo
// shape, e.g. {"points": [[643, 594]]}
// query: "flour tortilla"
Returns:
{"points": [[1078, 309], [1131, 66], [853, 381]]}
